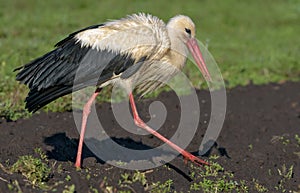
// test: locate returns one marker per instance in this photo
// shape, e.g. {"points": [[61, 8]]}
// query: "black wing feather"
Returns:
{"points": [[69, 68]]}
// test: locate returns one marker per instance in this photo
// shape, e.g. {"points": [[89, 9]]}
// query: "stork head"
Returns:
{"points": [[185, 31]]}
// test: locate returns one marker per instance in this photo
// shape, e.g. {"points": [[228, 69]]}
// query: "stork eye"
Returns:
{"points": [[188, 31]]}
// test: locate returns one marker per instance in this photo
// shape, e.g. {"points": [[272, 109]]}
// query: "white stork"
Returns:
{"points": [[121, 51]]}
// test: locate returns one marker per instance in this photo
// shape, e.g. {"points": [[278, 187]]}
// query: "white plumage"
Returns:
{"points": [[138, 34]]}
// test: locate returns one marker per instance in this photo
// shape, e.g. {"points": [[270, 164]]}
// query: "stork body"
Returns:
{"points": [[139, 51]]}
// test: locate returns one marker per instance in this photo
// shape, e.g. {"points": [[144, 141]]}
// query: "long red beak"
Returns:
{"points": [[195, 50]]}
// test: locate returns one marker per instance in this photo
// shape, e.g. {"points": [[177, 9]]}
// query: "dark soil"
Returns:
{"points": [[257, 139]]}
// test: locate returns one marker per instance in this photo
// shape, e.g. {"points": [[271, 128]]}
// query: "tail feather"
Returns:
{"points": [[28, 72], [38, 99]]}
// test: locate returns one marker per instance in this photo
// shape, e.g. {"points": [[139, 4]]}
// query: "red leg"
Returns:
{"points": [[140, 123], [85, 114]]}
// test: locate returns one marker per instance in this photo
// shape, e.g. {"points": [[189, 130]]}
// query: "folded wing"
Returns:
{"points": [[92, 56]]}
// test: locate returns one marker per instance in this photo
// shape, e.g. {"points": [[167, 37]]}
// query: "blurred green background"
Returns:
{"points": [[252, 41]]}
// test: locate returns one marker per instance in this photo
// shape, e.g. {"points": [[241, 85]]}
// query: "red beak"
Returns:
{"points": [[195, 50]]}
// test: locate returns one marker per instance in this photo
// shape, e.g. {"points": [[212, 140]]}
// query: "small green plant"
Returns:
{"points": [[214, 178], [283, 139], [221, 184], [212, 170], [121, 163], [105, 187], [159, 187], [137, 177], [167, 167], [214, 157], [88, 176], [124, 191], [69, 189], [250, 147], [68, 178], [125, 178], [14, 187], [286, 174], [259, 187], [59, 169], [36, 170], [93, 190], [297, 139], [140, 177], [243, 186]]}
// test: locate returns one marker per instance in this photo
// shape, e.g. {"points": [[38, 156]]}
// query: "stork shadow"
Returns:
{"points": [[211, 146], [65, 148]]}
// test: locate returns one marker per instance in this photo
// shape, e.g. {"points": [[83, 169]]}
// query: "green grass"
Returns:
{"points": [[285, 174], [252, 41], [35, 169], [213, 178], [38, 171]]}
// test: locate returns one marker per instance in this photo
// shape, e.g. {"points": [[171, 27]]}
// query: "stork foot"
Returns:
{"points": [[190, 157]]}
